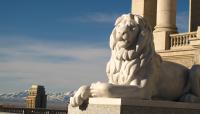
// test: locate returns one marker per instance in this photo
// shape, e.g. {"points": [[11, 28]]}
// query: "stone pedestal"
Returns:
{"points": [[131, 106], [161, 40]]}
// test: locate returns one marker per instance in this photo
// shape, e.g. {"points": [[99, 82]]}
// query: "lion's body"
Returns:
{"points": [[173, 81]]}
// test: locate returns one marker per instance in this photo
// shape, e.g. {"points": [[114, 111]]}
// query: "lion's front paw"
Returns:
{"points": [[100, 89], [76, 101], [82, 94]]}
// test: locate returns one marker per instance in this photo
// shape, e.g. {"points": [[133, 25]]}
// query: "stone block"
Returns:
{"points": [[161, 40], [132, 106]]}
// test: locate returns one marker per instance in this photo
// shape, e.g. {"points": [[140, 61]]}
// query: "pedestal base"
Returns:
{"points": [[161, 40], [131, 106]]}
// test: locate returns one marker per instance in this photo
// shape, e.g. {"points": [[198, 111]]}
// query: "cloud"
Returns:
{"points": [[102, 17], [182, 21], [59, 67], [93, 17]]}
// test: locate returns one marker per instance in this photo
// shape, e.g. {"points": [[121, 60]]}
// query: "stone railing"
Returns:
{"points": [[181, 39], [31, 110]]}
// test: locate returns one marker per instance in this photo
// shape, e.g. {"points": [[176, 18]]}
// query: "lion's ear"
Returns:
{"points": [[136, 18], [119, 19], [142, 23]]}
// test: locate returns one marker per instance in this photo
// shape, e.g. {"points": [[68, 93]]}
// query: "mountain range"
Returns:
{"points": [[18, 98]]}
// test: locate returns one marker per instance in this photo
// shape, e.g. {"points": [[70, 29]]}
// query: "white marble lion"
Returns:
{"points": [[136, 71]]}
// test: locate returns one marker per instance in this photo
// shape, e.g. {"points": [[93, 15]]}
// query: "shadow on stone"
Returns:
{"points": [[84, 105]]}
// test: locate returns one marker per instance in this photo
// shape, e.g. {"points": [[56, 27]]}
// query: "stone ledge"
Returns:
{"points": [[134, 102], [132, 106]]}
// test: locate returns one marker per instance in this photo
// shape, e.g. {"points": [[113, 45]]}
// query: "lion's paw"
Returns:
{"points": [[80, 96]]}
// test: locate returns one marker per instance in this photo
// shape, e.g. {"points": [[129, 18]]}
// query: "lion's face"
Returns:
{"points": [[126, 31], [131, 43]]}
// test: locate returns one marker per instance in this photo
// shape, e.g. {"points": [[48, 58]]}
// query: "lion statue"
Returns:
{"points": [[136, 71]]}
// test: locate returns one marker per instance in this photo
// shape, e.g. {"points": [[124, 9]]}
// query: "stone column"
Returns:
{"points": [[165, 24], [146, 9], [194, 15]]}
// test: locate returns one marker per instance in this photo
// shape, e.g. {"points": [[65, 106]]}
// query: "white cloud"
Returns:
{"points": [[93, 17], [23, 65], [102, 17]]}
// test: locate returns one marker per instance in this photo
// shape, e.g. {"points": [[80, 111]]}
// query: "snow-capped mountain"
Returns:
{"points": [[21, 96], [59, 97]]}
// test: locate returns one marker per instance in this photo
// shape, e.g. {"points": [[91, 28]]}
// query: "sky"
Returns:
{"points": [[61, 44]]}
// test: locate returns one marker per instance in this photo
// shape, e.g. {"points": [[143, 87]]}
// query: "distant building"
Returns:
{"points": [[36, 97]]}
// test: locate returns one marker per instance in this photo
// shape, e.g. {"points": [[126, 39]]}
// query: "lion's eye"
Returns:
{"points": [[133, 27]]}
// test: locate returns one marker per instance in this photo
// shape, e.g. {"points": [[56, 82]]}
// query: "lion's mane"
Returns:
{"points": [[126, 61]]}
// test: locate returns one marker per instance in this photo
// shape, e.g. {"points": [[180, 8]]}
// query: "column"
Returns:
{"points": [[165, 24], [194, 15], [146, 9]]}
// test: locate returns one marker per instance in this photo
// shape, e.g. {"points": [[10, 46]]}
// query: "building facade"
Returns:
{"points": [[36, 97], [182, 48]]}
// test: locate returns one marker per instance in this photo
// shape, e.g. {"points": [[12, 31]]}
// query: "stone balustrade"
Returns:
{"points": [[182, 39], [30, 110]]}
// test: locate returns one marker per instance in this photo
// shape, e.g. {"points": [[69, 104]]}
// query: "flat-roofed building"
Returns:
{"points": [[36, 97]]}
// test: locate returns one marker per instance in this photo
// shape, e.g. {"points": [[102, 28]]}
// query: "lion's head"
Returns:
{"points": [[132, 47]]}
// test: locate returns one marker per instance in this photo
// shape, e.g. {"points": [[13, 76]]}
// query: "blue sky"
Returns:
{"points": [[60, 44]]}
